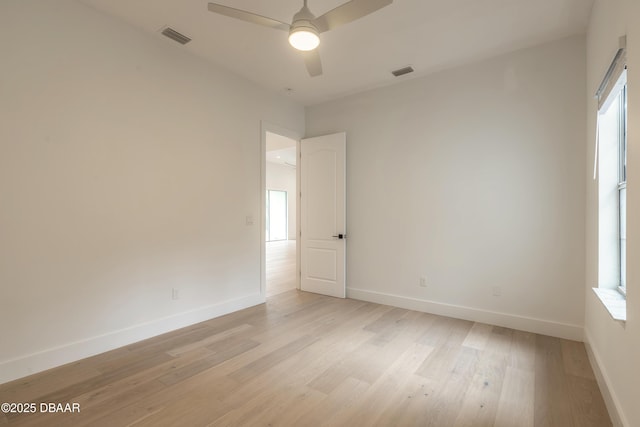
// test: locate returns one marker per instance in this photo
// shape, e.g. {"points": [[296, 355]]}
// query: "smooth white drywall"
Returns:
{"points": [[283, 178], [473, 178], [127, 168], [615, 346]]}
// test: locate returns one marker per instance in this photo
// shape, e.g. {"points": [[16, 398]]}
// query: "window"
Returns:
{"points": [[612, 183], [276, 215], [612, 198], [622, 185]]}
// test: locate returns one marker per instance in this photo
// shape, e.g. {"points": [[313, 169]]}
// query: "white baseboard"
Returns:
{"points": [[608, 393], [30, 364], [528, 324]]}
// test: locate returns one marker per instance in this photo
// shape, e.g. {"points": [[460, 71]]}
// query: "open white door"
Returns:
{"points": [[323, 214]]}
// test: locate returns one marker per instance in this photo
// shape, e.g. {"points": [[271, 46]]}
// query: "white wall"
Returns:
{"points": [[472, 177], [614, 346], [127, 168], [282, 177]]}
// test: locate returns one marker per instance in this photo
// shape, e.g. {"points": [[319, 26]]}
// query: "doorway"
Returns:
{"points": [[280, 212]]}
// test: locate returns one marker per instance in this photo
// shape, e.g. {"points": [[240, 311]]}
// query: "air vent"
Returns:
{"points": [[402, 71], [174, 35]]}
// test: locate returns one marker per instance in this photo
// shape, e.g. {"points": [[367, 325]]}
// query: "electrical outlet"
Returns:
{"points": [[175, 294], [496, 291], [423, 282]]}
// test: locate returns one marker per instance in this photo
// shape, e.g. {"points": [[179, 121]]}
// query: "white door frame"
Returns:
{"points": [[264, 128]]}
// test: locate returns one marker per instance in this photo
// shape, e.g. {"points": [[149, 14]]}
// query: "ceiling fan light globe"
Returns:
{"points": [[304, 39]]}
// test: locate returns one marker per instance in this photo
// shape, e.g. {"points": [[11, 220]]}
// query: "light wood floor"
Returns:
{"points": [[280, 266], [307, 360]]}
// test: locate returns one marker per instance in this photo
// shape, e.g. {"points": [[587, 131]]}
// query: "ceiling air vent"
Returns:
{"points": [[402, 71], [174, 35]]}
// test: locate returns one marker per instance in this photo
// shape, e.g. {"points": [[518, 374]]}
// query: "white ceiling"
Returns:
{"points": [[430, 35], [281, 150]]}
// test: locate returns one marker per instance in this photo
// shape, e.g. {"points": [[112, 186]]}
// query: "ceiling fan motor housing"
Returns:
{"points": [[302, 27]]}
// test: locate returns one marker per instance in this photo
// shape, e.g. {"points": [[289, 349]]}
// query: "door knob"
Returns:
{"points": [[341, 236]]}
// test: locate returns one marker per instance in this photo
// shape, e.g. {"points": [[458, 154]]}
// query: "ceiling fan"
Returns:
{"points": [[305, 28]]}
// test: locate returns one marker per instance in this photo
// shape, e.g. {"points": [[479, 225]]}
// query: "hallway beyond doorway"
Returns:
{"points": [[280, 266]]}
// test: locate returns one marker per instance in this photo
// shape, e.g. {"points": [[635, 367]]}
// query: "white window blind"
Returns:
{"points": [[608, 84]]}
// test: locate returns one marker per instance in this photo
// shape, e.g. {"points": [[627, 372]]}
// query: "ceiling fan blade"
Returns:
{"points": [[348, 12], [312, 61], [248, 16]]}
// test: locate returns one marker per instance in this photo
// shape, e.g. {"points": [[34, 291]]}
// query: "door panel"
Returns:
{"points": [[323, 216], [322, 264]]}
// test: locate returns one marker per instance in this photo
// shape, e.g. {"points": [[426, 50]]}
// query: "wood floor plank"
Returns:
{"points": [[168, 340], [270, 387], [98, 402], [523, 351], [388, 390], [340, 399], [587, 404], [221, 336], [575, 359], [178, 341], [133, 394], [387, 320], [501, 341], [292, 409], [260, 408], [268, 361], [481, 400], [444, 403], [196, 409], [478, 336], [280, 267], [552, 399], [208, 362], [41, 384], [148, 404], [441, 360], [108, 393], [209, 383], [517, 399], [398, 409], [308, 362], [127, 416], [446, 331], [306, 359], [360, 365], [67, 394]]}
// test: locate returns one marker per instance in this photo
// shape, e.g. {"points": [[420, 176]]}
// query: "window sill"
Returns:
{"points": [[614, 301]]}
